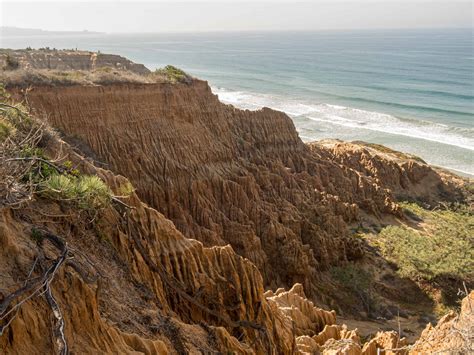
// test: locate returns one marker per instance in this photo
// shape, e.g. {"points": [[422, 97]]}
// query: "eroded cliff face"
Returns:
{"points": [[454, 333], [132, 283], [146, 288], [222, 175]]}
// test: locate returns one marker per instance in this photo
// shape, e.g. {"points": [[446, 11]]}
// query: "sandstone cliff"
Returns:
{"points": [[408, 177], [66, 60], [224, 175], [454, 333]]}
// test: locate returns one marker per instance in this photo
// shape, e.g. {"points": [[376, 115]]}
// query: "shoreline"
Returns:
{"points": [[310, 134]]}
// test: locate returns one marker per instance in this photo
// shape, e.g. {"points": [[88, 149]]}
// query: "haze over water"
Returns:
{"points": [[411, 90]]}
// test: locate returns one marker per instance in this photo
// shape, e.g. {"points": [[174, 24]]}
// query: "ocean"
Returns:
{"points": [[411, 90]]}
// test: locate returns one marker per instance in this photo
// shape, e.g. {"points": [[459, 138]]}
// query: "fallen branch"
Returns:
{"points": [[13, 107], [58, 329]]}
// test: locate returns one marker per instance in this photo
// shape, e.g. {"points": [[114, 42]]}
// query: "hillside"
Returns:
{"points": [[221, 205]]}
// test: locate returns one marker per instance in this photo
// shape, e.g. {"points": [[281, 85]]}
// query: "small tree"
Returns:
{"points": [[11, 63]]}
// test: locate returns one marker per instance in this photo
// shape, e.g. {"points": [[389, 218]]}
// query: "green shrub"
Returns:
{"points": [[92, 192], [29, 151], [352, 276], [125, 190], [18, 118], [6, 129], [173, 74], [87, 192], [445, 246], [59, 186], [41, 170]]}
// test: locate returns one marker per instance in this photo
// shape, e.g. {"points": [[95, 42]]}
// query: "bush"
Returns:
{"points": [[125, 190], [443, 247], [11, 63], [93, 192], [174, 74], [17, 118], [87, 192], [6, 129]]}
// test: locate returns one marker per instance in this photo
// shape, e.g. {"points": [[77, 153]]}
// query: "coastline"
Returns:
{"points": [[403, 85], [404, 141]]}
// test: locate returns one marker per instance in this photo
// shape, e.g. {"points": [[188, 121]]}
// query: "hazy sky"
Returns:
{"points": [[227, 15]]}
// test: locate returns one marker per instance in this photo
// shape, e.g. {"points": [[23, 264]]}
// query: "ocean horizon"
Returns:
{"points": [[411, 90]]}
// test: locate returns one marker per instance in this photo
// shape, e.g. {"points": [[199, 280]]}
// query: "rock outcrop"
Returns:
{"points": [[407, 176], [307, 319], [158, 291], [454, 333]]}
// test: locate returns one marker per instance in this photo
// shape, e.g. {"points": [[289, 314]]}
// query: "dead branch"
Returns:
{"points": [[2, 104], [58, 329], [36, 287], [85, 276], [115, 199], [35, 284], [54, 166]]}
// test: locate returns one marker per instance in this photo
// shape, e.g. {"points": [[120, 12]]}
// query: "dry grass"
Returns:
{"points": [[101, 76], [47, 77]]}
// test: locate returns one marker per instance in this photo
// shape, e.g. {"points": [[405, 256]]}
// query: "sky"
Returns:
{"points": [[234, 15]]}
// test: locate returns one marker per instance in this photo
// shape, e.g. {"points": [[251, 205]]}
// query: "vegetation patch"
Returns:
{"points": [[48, 77], [11, 63], [173, 74], [87, 192], [444, 246], [6, 129]]}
